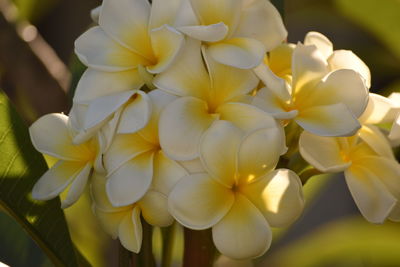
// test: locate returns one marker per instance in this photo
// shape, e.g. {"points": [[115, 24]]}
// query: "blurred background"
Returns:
{"points": [[38, 71]]}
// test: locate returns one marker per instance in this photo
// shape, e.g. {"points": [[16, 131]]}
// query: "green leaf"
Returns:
{"points": [[20, 167]]}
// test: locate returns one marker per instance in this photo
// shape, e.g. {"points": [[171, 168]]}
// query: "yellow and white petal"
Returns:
{"points": [[259, 153], [130, 231], [330, 120], [199, 202], [394, 134], [124, 148], [99, 194], [218, 151], [126, 21], [345, 59], [373, 199], [280, 60], [188, 75], [212, 12], [241, 82], [308, 67], [131, 181], [56, 179], [154, 206], [323, 44], [380, 109], [94, 84], [101, 109], [50, 135], [107, 132], [182, 123], [110, 221], [192, 166], [269, 102], [243, 233], [97, 50], [239, 52], [272, 82], [340, 86], [136, 114], [246, 117], [77, 187], [260, 20], [324, 153], [166, 44], [207, 33], [164, 12], [95, 13], [278, 196], [159, 100], [167, 173], [376, 140]]}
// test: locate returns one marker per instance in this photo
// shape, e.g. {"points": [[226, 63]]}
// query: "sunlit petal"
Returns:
{"points": [[323, 44], [207, 33]]}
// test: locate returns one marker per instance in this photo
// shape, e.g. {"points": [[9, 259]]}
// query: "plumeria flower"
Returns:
{"points": [[394, 134], [321, 101], [240, 196], [236, 32], [135, 161], [370, 169], [206, 94], [125, 222], [51, 136]]}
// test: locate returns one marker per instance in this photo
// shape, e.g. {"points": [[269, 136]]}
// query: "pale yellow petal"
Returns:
{"points": [[380, 109], [164, 12], [207, 33], [218, 151], [77, 186], [243, 233], [182, 123], [278, 196], [376, 140], [199, 202], [280, 59], [154, 206], [323, 44], [130, 231], [271, 103]]}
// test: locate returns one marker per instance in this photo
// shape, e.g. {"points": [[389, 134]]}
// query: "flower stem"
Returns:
{"points": [[168, 245], [146, 258], [199, 248]]}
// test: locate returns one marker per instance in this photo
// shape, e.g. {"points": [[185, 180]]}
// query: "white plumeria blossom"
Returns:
{"points": [[371, 171], [240, 195], [321, 101], [135, 161], [394, 134], [205, 95], [124, 222], [51, 136], [236, 32]]}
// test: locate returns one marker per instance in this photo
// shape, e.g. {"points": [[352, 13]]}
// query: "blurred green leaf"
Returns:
{"points": [[380, 17], [33, 10], [348, 242], [20, 167]]}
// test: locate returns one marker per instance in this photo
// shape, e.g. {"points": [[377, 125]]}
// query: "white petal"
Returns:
{"points": [[199, 202], [260, 20], [188, 75], [95, 13], [332, 120], [269, 102], [50, 135], [218, 151], [308, 66], [100, 109], [341, 86], [243, 233], [164, 12], [278, 196], [394, 134], [167, 173], [136, 114], [182, 123], [130, 231], [324, 153], [77, 187], [131, 181], [345, 59], [323, 44], [154, 206], [242, 53], [97, 50], [371, 196], [166, 43], [192, 166], [206, 33], [56, 179], [246, 117], [94, 84], [376, 140], [126, 21], [259, 153], [110, 221], [379, 110]]}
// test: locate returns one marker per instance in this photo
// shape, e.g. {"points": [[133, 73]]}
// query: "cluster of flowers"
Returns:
{"points": [[186, 109]]}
